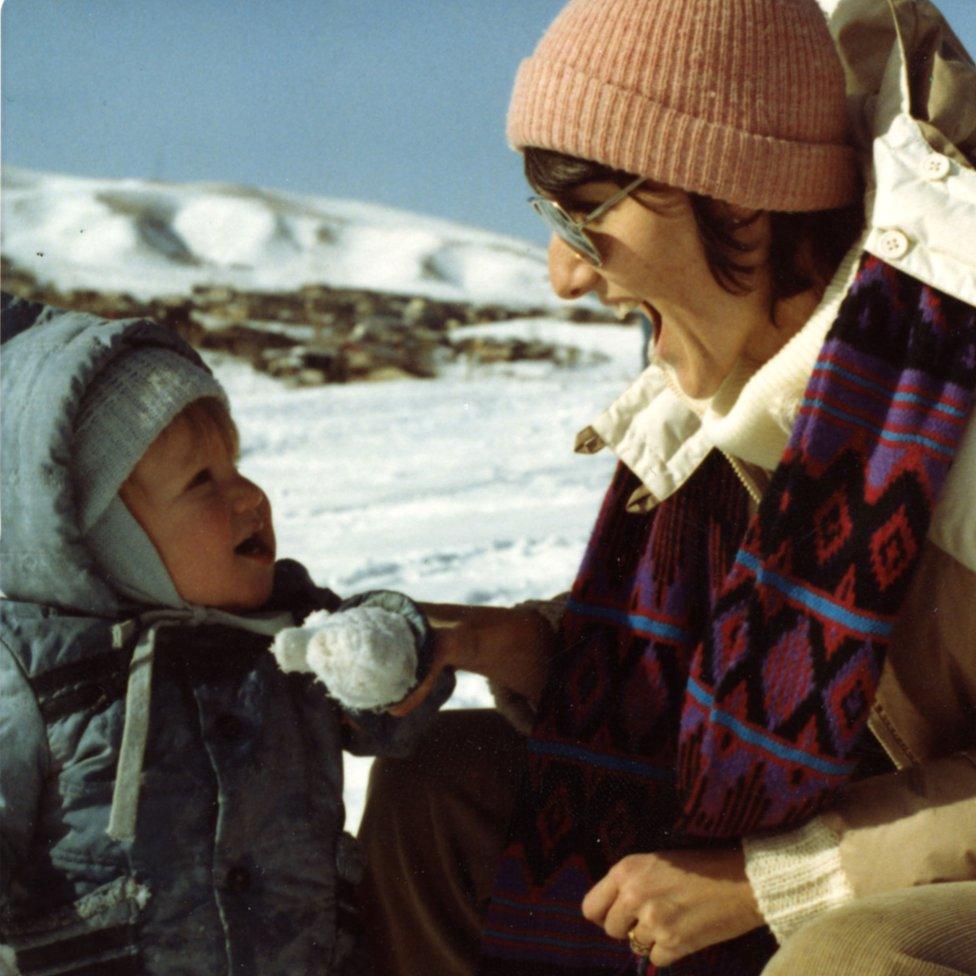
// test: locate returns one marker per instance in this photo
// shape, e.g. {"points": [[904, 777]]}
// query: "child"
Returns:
{"points": [[171, 800]]}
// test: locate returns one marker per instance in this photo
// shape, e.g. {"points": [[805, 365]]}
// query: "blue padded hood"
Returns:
{"points": [[48, 359]]}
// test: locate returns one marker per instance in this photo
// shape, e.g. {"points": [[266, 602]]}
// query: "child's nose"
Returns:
{"points": [[570, 275], [247, 495]]}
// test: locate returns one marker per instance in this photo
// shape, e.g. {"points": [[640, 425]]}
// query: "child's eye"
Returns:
{"points": [[200, 478]]}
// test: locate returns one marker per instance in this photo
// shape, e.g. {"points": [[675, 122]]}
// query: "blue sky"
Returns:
{"points": [[399, 102]]}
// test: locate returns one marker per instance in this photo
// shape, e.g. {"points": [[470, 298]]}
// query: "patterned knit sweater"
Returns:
{"points": [[717, 669]]}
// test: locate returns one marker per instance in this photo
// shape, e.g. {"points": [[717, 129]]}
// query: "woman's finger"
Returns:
{"points": [[599, 899], [640, 942], [620, 919]]}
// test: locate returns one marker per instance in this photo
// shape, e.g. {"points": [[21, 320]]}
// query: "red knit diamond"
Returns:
{"points": [[847, 699], [587, 687], [732, 637], [555, 818], [617, 831], [788, 673], [893, 548], [832, 527]]}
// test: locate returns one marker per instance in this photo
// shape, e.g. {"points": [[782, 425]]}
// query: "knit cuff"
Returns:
{"points": [[796, 876]]}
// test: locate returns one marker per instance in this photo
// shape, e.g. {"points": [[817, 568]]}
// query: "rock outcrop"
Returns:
{"points": [[319, 334]]}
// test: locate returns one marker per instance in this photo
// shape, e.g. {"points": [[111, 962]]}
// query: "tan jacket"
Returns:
{"points": [[913, 96]]}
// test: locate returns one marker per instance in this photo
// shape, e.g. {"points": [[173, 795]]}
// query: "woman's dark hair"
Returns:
{"points": [[805, 248]]}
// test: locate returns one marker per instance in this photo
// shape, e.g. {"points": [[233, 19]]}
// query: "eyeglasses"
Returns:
{"points": [[573, 232]]}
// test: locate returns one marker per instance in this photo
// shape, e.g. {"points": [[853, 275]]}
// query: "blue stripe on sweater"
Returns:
{"points": [[757, 738], [563, 750], [637, 621], [819, 604], [875, 429], [829, 367], [542, 909]]}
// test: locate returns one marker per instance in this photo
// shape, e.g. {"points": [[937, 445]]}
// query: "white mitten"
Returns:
{"points": [[289, 648], [366, 656]]}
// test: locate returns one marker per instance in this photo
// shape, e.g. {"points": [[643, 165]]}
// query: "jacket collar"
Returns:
{"points": [[662, 435], [910, 87]]}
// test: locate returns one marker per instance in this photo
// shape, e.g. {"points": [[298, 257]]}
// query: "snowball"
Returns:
{"points": [[289, 649], [365, 656], [316, 619]]}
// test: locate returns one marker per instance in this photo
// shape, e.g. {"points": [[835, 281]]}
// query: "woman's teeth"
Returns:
{"points": [[624, 310]]}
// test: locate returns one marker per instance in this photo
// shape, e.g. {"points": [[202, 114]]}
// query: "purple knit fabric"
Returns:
{"points": [[717, 671]]}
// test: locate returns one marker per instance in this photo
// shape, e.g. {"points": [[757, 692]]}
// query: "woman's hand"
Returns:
{"points": [[511, 647], [676, 902]]}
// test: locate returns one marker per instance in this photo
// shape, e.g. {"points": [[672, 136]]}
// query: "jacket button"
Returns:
{"points": [[893, 244], [237, 879], [936, 167]]}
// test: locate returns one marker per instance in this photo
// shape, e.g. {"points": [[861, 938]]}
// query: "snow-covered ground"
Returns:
{"points": [[459, 489]]}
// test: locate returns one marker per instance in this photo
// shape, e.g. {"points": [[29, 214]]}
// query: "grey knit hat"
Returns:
{"points": [[125, 408]]}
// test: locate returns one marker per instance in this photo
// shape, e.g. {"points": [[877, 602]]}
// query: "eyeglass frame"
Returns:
{"points": [[560, 222]]}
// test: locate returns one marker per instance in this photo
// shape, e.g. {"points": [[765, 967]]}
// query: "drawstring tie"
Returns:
{"points": [[138, 695]]}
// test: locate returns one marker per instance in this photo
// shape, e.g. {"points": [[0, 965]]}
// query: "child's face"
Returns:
{"points": [[210, 525]]}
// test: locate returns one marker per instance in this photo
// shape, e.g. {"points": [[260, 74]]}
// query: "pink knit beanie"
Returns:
{"points": [[740, 100]]}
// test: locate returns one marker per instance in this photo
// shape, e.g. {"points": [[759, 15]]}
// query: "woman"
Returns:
{"points": [[777, 608]]}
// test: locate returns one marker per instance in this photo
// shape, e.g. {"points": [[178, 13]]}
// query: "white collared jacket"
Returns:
{"points": [[912, 91]]}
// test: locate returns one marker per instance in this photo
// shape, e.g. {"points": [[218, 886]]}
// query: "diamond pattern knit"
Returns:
{"points": [[717, 670]]}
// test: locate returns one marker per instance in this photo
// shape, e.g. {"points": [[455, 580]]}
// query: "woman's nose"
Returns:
{"points": [[570, 275]]}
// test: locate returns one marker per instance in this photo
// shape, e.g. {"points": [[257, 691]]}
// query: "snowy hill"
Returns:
{"points": [[151, 239]]}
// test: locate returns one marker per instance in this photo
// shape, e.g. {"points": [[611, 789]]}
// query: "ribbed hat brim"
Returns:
{"points": [[556, 107]]}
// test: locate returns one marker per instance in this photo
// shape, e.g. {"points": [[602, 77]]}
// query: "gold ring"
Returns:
{"points": [[636, 946]]}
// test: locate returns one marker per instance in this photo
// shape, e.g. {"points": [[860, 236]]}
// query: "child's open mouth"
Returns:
{"points": [[254, 547]]}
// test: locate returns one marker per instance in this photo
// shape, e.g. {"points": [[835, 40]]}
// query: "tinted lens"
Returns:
{"points": [[563, 225]]}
